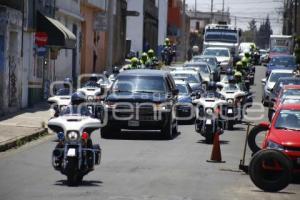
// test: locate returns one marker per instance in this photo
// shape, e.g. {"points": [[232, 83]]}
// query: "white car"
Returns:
{"points": [[269, 83], [222, 54], [203, 68]]}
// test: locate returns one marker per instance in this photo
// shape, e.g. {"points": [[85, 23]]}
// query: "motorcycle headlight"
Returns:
{"points": [[274, 145], [209, 111], [90, 98], [73, 136], [230, 101]]}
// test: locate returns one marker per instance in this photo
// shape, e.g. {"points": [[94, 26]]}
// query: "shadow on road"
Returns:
{"points": [[280, 192], [85, 183], [222, 142], [138, 135]]}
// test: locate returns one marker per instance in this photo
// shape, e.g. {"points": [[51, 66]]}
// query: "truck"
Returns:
{"points": [[283, 41], [222, 35]]}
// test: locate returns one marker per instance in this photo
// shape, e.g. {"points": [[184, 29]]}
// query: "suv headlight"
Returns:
{"points": [[73, 136], [274, 145], [110, 105], [161, 107]]}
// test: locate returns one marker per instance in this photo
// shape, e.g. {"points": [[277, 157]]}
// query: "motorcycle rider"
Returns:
{"points": [[114, 74], [211, 90], [67, 85], [144, 60], [77, 105], [152, 58], [239, 68], [134, 63]]}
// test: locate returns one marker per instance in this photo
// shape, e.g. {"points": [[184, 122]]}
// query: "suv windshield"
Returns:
{"points": [[279, 50], [282, 82], [288, 119], [216, 52], [202, 68], [211, 61], [146, 84]]}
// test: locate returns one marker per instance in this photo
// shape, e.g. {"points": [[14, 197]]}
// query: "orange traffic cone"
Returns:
{"points": [[216, 156]]}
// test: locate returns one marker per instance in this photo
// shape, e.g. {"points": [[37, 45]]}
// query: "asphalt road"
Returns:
{"points": [[139, 166]]}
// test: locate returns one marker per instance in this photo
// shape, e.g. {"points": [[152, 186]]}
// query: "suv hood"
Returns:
{"points": [[287, 138], [137, 97]]}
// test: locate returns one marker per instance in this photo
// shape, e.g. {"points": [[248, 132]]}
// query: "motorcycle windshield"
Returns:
{"points": [[76, 110]]}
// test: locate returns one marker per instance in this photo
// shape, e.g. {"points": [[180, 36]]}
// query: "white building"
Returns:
{"points": [[10, 60], [67, 63], [163, 21], [142, 30]]}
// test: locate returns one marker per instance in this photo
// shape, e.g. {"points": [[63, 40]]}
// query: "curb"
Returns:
{"points": [[19, 141]]}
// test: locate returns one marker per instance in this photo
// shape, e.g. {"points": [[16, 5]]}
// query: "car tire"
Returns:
{"points": [[268, 181], [252, 138], [167, 130], [109, 132], [230, 125], [270, 114]]}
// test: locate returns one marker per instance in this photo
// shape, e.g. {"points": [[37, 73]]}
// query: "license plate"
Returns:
{"points": [[208, 122], [298, 161], [230, 111], [71, 152], [133, 123]]}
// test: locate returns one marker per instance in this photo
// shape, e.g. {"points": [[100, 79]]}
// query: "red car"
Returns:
{"points": [[284, 133], [288, 94]]}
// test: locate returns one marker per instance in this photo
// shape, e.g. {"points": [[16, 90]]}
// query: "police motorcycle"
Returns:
{"points": [[208, 113], [167, 55], [61, 98], [236, 98], [95, 90], [75, 155], [114, 74]]}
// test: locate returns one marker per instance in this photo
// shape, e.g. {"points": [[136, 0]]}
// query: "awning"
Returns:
{"points": [[58, 35]]}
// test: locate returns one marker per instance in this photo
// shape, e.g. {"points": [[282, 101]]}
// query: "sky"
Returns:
{"points": [[245, 10]]}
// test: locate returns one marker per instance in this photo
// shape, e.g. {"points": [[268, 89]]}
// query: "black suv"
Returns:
{"points": [[141, 100]]}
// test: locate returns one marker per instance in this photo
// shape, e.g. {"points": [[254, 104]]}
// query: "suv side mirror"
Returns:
{"points": [[175, 92], [263, 81]]}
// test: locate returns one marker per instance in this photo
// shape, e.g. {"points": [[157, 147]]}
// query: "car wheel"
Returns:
{"points": [[167, 130], [254, 147], [267, 179], [230, 125], [109, 132]]}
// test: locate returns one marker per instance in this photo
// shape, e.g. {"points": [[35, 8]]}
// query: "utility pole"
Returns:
{"points": [[211, 11], [184, 31], [235, 21], [195, 5], [295, 16], [223, 4], [111, 5]]}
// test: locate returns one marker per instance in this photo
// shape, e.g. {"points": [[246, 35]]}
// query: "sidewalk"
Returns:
{"points": [[23, 126]]}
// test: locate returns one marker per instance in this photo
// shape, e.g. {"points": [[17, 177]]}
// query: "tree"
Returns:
{"points": [[264, 32]]}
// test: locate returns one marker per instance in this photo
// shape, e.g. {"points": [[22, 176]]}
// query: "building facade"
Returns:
{"points": [[93, 36], [10, 59], [142, 30]]}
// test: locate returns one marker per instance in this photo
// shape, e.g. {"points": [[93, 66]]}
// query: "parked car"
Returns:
{"points": [[269, 83], [222, 54], [142, 100], [185, 109], [213, 64], [203, 69], [281, 62], [278, 50], [288, 92], [281, 83]]}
